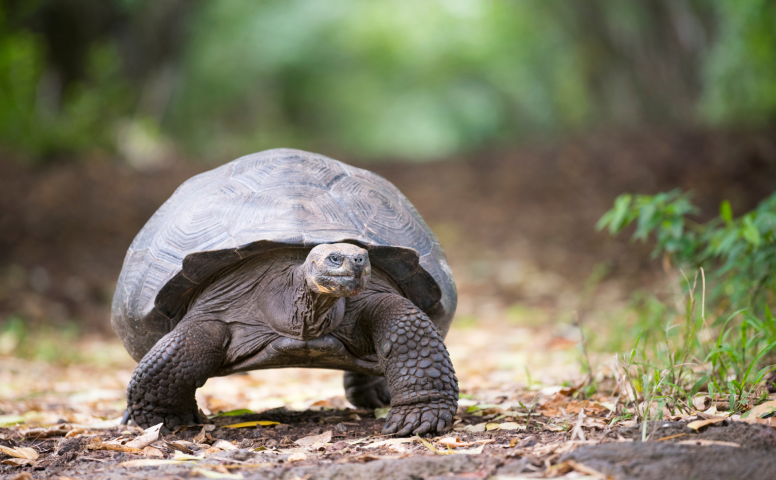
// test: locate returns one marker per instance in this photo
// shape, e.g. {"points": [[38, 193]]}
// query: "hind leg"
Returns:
{"points": [[367, 391], [163, 385]]}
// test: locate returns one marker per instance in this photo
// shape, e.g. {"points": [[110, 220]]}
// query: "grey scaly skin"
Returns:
{"points": [[424, 388], [163, 385], [318, 311], [367, 391]]}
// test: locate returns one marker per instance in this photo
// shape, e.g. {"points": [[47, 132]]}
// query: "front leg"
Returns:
{"points": [[424, 388], [164, 383]]}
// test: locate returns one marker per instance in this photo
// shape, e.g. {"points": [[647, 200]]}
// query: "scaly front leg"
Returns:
{"points": [[424, 388], [164, 383]]}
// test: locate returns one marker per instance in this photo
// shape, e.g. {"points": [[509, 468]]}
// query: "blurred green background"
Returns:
{"points": [[512, 125], [383, 79]]}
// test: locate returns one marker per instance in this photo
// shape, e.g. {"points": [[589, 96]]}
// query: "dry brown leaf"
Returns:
{"points": [[698, 424], [75, 432], [96, 443], [46, 432], [323, 438], [760, 410], [150, 435], [453, 442], [18, 462], [23, 476], [581, 468], [20, 452], [390, 441], [152, 452], [706, 443], [203, 436], [149, 462], [181, 446], [770, 421], [224, 445]]}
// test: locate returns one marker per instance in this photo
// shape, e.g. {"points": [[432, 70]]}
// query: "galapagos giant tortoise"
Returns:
{"points": [[288, 259]]}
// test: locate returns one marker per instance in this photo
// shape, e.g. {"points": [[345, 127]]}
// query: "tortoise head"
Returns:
{"points": [[338, 269]]}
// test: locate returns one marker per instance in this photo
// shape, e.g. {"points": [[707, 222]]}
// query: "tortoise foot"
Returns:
{"points": [[420, 419], [162, 388], [367, 391], [153, 415]]}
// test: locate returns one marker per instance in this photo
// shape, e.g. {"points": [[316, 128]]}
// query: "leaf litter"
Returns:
{"points": [[65, 428]]}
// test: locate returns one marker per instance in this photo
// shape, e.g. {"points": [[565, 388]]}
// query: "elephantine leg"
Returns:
{"points": [[367, 391], [163, 385], [424, 388]]}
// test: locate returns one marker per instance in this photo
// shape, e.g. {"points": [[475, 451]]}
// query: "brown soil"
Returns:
{"points": [[618, 453]]}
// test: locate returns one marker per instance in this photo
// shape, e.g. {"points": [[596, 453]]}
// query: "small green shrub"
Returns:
{"points": [[717, 340]]}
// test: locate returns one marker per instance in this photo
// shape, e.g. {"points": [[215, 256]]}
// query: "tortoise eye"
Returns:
{"points": [[335, 259]]}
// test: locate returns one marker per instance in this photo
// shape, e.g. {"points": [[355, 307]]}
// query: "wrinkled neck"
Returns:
{"points": [[313, 314]]}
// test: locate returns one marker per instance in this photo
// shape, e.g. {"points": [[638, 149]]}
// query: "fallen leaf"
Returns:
{"points": [[20, 452], [480, 427], [10, 420], [152, 452], [46, 432], [473, 451], [762, 410], [390, 441], [492, 426], [75, 432], [149, 462], [150, 435], [181, 446], [698, 424], [323, 438], [706, 443], [581, 468], [297, 457], [453, 442], [484, 406], [382, 412], [96, 443], [224, 445], [186, 457], [511, 426], [770, 421], [18, 462], [263, 423], [214, 474], [233, 413]]}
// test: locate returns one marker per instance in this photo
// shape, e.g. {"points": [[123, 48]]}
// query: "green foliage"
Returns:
{"points": [[685, 347], [739, 252], [384, 78], [40, 120]]}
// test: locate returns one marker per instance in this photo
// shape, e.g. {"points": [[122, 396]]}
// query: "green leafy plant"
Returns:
{"points": [[739, 252], [701, 347]]}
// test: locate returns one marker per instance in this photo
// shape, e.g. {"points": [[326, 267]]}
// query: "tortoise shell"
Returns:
{"points": [[279, 198]]}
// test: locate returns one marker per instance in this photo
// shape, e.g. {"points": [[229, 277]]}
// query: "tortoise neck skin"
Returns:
{"points": [[314, 314], [330, 273]]}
